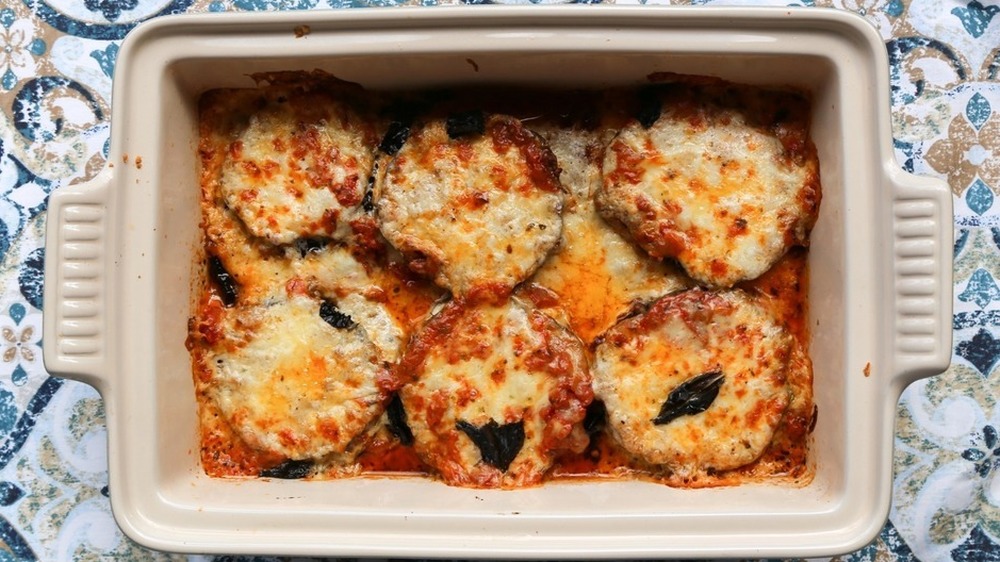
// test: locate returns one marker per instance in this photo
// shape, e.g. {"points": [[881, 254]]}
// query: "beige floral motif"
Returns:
{"points": [[16, 343], [20, 343], [967, 153], [15, 50]]}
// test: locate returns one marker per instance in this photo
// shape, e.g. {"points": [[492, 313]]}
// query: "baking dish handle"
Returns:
{"points": [[75, 314], [923, 235]]}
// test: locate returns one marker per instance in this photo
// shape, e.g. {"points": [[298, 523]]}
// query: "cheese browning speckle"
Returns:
{"points": [[299, 165]]}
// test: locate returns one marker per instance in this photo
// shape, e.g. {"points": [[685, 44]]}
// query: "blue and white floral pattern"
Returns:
{"points": [[18, 49], [20, 341], [56, 66]]}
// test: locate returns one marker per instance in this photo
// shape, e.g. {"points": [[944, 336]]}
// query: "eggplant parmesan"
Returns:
{"points": [[474, 203], [722, 178], [294, 376], [494, 392], [698, 383], [298, 163], [499, 287]]}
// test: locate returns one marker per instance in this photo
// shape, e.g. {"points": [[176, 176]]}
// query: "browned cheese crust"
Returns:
{"points": [[297, 165], [725, 179], [478, 213], [698, 383], [504, 371]]}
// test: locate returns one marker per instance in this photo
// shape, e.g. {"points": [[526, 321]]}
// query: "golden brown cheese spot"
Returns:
{"points": [[503, 363], [479, 213], [643, 359]]}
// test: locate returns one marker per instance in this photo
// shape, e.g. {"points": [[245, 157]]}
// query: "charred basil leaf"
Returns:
{"points": [[692, 396], [397, 421], [394, 137], [649, 107], [228, 287], [334, 317], [307, 246], [498, 444], [595, 418], [289, 470], [780, 116], [368, 202], [465, 123]]}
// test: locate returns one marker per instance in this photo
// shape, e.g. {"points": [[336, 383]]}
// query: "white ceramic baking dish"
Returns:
{"points": [[119, 267]]}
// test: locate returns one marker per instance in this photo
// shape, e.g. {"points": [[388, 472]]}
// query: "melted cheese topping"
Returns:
{"points": [[291, 384], [476, 214], [468, 213], [505, 363], [596, 273], [299, 168], [370, 286], [711, 187], [645, 358]]}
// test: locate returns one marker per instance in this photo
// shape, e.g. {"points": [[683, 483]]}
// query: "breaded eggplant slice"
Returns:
{"points": [[725, 180], [496, 391], [299, 165], [295, 376], [477, 213], [697, 383]]}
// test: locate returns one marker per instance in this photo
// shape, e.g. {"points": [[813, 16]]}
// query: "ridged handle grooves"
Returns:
{"points": [[922, 275], [76, 285]]}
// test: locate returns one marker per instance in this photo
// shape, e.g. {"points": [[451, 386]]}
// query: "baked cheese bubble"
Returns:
{"points": [[495, 392], [476, 209], [697, 383], [724, 179], [300, 165], [297, 377]]}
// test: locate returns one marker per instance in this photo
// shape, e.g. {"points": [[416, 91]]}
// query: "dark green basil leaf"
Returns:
{"points": [[395, 137], [498, 444], [289, 470], [227, 285], [465, 123], [397, 421], [692, 396]]}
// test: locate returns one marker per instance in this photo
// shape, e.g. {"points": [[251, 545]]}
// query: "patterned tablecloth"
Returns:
{"points": [[57, 58]]}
